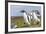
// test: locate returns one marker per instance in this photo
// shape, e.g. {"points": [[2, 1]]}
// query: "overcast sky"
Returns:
{"points": [[15, 9]]}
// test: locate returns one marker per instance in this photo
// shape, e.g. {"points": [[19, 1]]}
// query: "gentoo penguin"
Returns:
{"points": [[26, 17]]}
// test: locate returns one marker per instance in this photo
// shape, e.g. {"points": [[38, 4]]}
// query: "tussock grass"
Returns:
{"points": [[21, 23]]}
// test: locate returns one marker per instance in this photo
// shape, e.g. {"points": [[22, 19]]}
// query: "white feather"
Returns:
{"points": [[35, 17], [25, 17]]}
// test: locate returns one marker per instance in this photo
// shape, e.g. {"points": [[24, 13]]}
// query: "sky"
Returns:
{"points": [[15, 9]]}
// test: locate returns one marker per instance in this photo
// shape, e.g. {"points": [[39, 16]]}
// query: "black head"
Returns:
{"points": [[23, 11], [36, 11]]}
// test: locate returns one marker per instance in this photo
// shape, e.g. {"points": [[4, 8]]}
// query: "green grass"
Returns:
{"points": [[20, 22]]}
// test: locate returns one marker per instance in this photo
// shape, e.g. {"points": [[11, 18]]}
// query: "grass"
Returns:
{"points": [[20, 22]]}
